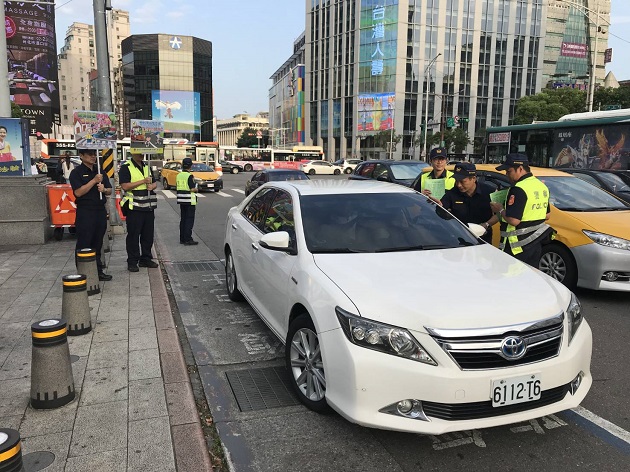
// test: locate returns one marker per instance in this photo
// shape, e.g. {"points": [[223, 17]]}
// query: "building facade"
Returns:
{"points": [[230, 130], [169, 78]]}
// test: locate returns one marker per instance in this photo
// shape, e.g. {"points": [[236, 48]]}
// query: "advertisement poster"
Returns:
{"points": [[147, 136], [180, 111], [95, 129], [376, 111], [14, 147], [592, 147], [32, 62]]}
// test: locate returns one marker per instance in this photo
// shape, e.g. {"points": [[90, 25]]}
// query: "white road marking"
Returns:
{"points": [[169, 194], [604, 424], [224, 195], [237, 190]]}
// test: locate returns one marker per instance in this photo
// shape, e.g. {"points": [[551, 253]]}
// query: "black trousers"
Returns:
{"points": [[140, 228], [530, 255], [186, 222], [91, 225]]}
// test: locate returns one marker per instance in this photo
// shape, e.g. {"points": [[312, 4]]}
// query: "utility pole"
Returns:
{"points": [[391, 141], [5, 92]]}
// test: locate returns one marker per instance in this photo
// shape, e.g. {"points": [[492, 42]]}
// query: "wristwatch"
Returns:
{"points": [[485, 225]]}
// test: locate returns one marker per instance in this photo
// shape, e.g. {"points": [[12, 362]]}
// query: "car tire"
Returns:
{"points": [[234, 170], [348, 171], [231, 282], [165, 183], [217, 190], [302, 339], [336, 172], [557, 261], [311, 172], [248, 167]]}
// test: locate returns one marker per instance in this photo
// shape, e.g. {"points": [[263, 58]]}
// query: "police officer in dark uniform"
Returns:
{"points": [[469, 201], [91, 189], [523, 227]]}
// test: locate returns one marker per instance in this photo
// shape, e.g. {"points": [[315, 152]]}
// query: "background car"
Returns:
{"points": [[204, 175], [272, 175], [333, 268], [592, 245], [348, 165], [396, 172], [231, 167], [320, 167], [617, 183]]}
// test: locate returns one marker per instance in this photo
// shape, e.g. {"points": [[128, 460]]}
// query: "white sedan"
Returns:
{"points": [[352, 277], [320, 167]]}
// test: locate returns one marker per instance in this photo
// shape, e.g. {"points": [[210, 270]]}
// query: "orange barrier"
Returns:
{"points": [[63, 210], [120, 213]]}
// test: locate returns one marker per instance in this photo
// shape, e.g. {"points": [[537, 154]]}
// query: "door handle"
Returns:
{"points": [[255, 247], [234, 226]]}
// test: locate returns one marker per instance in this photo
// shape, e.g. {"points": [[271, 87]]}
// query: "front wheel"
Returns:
{"points": [[234, 170], [337, 172], [304, 361], [348, 171], [557, 261], [311, 172], [248, 167], [231, 282], [165, 183]]}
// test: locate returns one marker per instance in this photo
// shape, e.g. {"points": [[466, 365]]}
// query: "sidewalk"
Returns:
{"points": [[134, 409]]}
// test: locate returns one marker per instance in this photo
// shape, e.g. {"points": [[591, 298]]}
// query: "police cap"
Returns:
{"points": [[463, 170], [514, 160], [187, 162], [438, 153]]}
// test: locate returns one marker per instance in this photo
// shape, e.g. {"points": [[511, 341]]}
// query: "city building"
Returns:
{"points": [[168, 78], [77, 58], [287, 100], [230, 130]]}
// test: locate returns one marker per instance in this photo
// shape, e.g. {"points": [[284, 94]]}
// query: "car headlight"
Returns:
{"points": [[198, 180], [607, 240], [382, 337], [574, 315]]}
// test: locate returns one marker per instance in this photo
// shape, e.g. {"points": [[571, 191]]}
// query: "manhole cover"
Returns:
{"points": [[260, 389], [37, 460], [74, 358], [209, 266]]}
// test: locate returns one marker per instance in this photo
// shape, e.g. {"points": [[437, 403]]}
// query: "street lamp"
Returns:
{"points": [[426, 102]]}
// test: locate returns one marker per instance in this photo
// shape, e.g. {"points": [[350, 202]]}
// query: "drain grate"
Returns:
{"points": [[210, 266], [261, 389]]}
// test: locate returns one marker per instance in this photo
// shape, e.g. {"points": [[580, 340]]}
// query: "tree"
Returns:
{"points": [[382, 139], [16, 111], [549, 105], [248, 138], [456, 139], [605, 96]]}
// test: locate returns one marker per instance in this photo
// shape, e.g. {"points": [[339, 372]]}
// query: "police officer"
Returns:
{"points": [[438, 162], [90, 190], [187, 200], [523, 227], [140, 201], [468, 200]]}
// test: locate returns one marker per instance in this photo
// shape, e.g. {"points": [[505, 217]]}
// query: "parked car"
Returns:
{"points": [[387, 170], [272, 175], [332, 267], [348, 165], [204, 175], [231, 167], [592, 247], [617, 183], [320, 167]]}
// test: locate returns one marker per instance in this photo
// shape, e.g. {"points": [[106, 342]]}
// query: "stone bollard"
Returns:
{"points": [[75, 307], [10, 451], [86, 264], [52, 383]]}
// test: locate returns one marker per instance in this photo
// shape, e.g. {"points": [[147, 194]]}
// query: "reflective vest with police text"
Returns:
{"points": [[184, 195], [140, 197]]}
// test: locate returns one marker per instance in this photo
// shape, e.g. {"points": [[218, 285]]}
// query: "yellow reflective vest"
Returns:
{"points": [[449, 181], [139, 198], [184, 195]]}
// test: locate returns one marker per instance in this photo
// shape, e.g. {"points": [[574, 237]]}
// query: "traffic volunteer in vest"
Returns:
{"points": [[438, 162], [90, 190], [523, 227], [187, 200], [468, 200], [140, 201]]}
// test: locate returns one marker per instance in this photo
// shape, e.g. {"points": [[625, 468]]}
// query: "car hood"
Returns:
{"points": [[205, 175], [472, 287], [614, 223]]}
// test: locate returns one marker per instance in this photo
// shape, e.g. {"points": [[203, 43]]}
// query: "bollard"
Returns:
{"points": [[52, 384], [10, 451], [75, 307], [106, 245], [86, 264]]}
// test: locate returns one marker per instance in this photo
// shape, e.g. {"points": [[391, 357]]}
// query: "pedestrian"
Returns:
{"points": [[523, 227], [42, 168], [438, 162], [139, 204], [64, 168], [469, 201], [187, 200], [90, 188]]}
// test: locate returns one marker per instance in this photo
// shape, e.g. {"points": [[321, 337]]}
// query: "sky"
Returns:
{"points": [[251, 39]]}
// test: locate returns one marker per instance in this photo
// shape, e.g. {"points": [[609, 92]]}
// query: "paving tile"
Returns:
{"points": [[40, 422], [141, 319], [14, 396], [142, 338], [110, 354], [81, 345], [164, 320], [112, 314], [146, 399], [108, 331], [19, 313], [11, 422], [168, 340], [101, 461], [144, 364], [105, 385], [150, 446], [99, 428], [174, 367], [78, 371], [181, 403], [191, 450], [57, 444]]}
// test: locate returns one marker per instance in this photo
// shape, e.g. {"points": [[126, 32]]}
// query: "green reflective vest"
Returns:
{"points": [[184, 195], [535, 210], [140, 197]]}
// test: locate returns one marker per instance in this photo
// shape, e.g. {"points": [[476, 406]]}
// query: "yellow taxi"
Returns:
{"points": [[205, 176]]}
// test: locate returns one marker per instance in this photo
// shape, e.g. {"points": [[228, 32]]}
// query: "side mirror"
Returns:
{"points": [[476, 229], [277, 241], [382, 178]]}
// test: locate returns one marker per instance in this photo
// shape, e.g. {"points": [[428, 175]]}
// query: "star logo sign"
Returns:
{"points": [[175, 42]]}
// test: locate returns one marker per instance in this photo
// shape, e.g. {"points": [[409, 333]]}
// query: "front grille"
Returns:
{"points": [[476, 410], [480, 349]]}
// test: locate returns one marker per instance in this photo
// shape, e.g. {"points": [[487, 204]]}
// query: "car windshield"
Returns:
{"points": [[407, 171], [201, 168], [277, 176], [573, 194], [615, 182], [379, 222]]}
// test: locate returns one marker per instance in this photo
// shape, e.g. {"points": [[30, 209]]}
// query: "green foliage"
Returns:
{"points": [[611, 96], [382, 139], [248, 138], [456, 139], [549, 105], [16, 111]]}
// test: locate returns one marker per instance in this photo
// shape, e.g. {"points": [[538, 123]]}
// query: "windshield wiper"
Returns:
{"points": [[337, 250], [420, 247], [572, 209]]}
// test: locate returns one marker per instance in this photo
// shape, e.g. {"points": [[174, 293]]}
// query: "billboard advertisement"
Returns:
{"points": [[32, 62], [179, 110], [377, 64], [147, 137], [573, 50], [592, 147], [95, 129], [14, 147]]}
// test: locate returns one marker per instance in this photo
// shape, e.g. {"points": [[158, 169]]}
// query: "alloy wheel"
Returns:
{"points": [[307, 366], [553, 265]]}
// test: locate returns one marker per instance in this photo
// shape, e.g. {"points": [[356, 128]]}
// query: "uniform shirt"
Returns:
{"points": [[515, 204], [470, 209], [80, 176]]}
